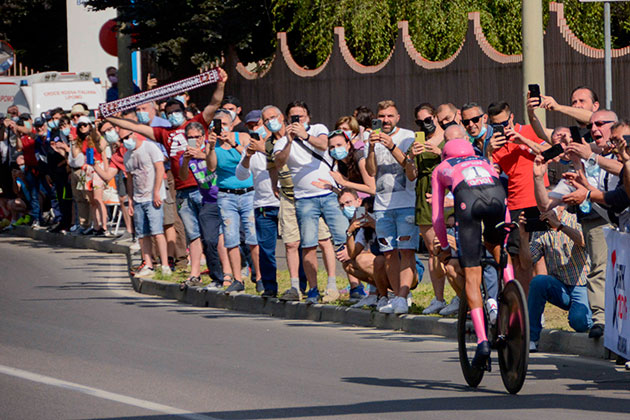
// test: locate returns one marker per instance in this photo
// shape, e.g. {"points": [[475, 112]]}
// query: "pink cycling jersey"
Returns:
{"points": [[473, 170]]}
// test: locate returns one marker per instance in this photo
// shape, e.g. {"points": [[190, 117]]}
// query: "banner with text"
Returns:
{"points": [[617, 331]]}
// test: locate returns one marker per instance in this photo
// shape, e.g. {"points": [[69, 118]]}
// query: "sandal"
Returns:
{"points": [[227, 279]]}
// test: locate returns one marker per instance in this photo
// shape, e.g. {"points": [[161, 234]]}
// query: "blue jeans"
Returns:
{"points": [[189, 203], [397, 229], [237, 210], [543, 289], [308, 212], [36, 183], [267, 234], [148, 220], [210, 223]]}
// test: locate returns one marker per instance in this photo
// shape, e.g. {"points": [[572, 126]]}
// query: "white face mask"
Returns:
{"points": [[129, 143], [232, 114]]}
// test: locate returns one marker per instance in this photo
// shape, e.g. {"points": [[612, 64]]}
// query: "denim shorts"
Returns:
{"points": [[392, 225], [309, 210], [237, 211], [188, 206], [147, 219]]}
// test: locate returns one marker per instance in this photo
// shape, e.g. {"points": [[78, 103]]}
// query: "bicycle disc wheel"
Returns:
{"points": [[513, 331], [467, 343]]}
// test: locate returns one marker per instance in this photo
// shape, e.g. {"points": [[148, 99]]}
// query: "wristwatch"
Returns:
{"points": [[392, 149], [349, 234], [592, 160]]}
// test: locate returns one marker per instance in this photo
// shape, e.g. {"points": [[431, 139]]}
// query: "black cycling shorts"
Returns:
{"points": [[474, 205]]}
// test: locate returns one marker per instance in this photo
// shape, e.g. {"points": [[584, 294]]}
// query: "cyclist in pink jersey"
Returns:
{"points": [[479, 197]]}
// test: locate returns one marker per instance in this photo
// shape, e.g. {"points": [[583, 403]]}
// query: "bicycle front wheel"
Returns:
{"points": [[467, 343], [513, 336]]}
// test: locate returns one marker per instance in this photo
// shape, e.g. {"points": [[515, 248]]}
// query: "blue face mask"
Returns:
{"points": [[480, 135], [66, 131], [181, 99], [111, 136], [28, 125], [262, 133], [129, 143], [273, 125], [339, 153], [143, 117], [349, 211], [53, 124], [306, 126], [22, 167], [176, 119]]}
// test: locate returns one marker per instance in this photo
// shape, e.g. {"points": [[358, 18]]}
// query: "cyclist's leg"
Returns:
{"points": [[475, 301]]}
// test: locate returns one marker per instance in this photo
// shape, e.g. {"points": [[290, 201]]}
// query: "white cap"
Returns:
{"points": [[85, 120]]}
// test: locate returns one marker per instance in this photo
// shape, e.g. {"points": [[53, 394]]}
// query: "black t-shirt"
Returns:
{"points": [[241, 128]]}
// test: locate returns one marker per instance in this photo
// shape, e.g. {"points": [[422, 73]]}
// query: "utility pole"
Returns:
{"points": [[125, 87], [533, 50]]}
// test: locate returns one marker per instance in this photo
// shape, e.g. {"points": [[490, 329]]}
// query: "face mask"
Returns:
{"points": [[339, 153], [448, 124], [111, 136], [113, 79], [262, 133], [143, 117], [82, 135], [163, 114], [15, 119], [273, 125], [480, 135], [129, 143], [232, 114], [181, 99], [22, 167], [66, 131], [306, 126], [427, 128], [53, 124], [28, 125], [348, 211], [176, 119]]}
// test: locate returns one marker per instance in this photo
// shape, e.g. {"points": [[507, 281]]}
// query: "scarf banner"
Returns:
{"points": [[617, 331], [166, 91]]}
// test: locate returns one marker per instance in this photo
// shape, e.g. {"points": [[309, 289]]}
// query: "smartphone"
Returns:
{"points": [[377, 125], [295, 119], [553, 152], [498, 128], [420, 137], [152, 75], [192, 143], [254, 136], [576, 137], [534, 91], [341, 248], [533, 222], [216, 126], [359, 213]]}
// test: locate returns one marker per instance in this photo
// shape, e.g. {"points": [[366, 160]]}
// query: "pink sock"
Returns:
{"points": [[508, 273], [477, 319]]}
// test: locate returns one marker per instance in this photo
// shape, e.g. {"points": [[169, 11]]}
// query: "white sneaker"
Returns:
{"points": [[382, 302], [166, 270], [491, 306], [452, 308], [146, 272], [533, 346], [369, 300], [434, 307], [388, 308], [409, 299], [400, 305]]}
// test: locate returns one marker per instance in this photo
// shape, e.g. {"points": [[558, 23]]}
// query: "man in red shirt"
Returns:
{"points": [[514, 153], [175, 142]]}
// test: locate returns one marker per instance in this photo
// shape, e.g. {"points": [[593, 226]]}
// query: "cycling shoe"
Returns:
{"points": [[481, 355]]}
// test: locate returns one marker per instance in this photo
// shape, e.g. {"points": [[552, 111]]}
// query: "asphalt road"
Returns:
{"points": [[77, 343]]}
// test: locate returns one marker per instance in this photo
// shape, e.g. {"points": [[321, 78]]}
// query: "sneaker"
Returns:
{"points": [[171, 263], [234, 288], [409, 299], [36, 225], [88, 231], [291, 295], [269, 294], [434, 307], [369, 300], [400, 305], [313, 296], [382, 302], [627, 365], [452, 308], [74, 228], [99, 232], [54, 228], [214, 285], [331, 295], [126, 236], [533, 346], [259, 287], [193, 281], [145, 272], [166, 270], [357, 293], [493, 310], [481, 355], [597, 330]]}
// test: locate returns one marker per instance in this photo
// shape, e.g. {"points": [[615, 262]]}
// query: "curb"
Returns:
{"points": [[551, 341]]}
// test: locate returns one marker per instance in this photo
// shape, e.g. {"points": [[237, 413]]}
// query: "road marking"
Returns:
{"points": [[99, 393]]}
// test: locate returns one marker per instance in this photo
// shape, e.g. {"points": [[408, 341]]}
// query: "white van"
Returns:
{"points": [[41, 92]]}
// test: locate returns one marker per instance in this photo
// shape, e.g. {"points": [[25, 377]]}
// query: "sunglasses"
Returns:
{"points": [[598, 124], [474, 120], [338, 133], [81, 125], [427, 120]]}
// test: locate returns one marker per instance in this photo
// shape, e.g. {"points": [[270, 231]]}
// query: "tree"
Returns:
{"points": [[29, 26]]}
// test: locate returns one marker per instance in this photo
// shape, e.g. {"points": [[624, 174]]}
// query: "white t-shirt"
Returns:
{"points": [[603, 181], [263, 193], [393, 188], [304, 167], [140, 164]]}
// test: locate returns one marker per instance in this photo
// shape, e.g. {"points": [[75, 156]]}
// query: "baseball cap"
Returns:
{"points": [[85, 120], [38, 122], [253, 116]]}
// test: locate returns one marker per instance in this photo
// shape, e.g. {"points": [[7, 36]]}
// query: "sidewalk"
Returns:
{"points": [[552, 341]]}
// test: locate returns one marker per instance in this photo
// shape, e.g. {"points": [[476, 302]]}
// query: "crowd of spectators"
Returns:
{"points": [[223, 185]]}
